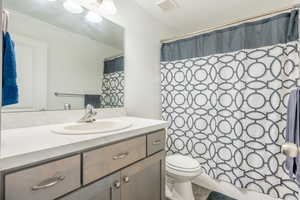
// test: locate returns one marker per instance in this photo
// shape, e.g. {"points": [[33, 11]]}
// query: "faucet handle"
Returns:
{"points": [[89, 107], [89, 114]]}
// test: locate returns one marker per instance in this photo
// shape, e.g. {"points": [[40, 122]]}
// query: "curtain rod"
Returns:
{"points": [[188, 35]]}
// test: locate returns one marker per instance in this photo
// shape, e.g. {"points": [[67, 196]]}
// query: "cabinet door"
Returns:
{"points": [[144, 180], [105, 189]]}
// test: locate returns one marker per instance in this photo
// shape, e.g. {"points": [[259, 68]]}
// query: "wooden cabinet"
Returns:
{"points": [[144, 180], [47, 181], [128, 170], [156, 142], [100, 162], [108, 188]]}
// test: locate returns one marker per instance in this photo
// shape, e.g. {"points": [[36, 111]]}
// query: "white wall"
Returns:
{"points": [[74, 62], [142, 58]]}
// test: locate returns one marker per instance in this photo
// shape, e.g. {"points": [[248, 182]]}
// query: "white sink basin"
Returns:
{"points": [[102, 126]]}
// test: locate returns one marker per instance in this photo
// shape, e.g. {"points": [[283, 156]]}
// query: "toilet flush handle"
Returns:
{"points": [[290, 150]]}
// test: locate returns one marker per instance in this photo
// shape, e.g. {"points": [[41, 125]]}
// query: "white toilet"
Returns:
{"points": [[180, 171]]}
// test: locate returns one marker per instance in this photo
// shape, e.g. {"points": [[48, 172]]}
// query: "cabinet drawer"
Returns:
{"points": [[156, 142], [103, 161], [47, 181]]}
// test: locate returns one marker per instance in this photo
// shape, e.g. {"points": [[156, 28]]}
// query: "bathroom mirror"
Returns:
{"points": [[64, 60]]}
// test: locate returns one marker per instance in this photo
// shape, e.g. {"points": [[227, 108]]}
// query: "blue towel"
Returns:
{"points": [[9, 72], [293, 132]]}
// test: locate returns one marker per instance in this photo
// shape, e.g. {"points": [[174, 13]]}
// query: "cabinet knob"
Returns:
{"points": [[117, 184], [126, 179]]}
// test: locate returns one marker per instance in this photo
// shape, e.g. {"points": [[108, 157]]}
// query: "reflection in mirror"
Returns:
{"points": [[63, 60]]}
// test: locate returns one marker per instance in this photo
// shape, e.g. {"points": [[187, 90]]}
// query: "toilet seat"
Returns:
{"points": [[182, 163], [182, 167]]}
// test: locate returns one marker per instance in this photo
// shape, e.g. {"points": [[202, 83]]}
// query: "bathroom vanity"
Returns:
{"points": [[121, 165], [67, 62]]}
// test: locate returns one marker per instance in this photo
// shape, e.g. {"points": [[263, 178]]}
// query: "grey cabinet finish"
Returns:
{"points": [[100, 162], [143, 180], [133, 169], [156, 142], [45, 182], [108, 188]]}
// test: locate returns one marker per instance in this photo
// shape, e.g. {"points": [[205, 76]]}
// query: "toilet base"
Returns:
{"points": [[184, 190]]}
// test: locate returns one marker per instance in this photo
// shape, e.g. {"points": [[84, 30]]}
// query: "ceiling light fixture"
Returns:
{"points": [[167, 5], [93, 17], [107, 7], [72, 7]]}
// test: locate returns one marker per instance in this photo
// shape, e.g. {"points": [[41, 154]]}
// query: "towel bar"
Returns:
{"points": [[60, 94], [67, 94]]}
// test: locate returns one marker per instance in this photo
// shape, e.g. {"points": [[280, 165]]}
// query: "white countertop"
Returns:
{"points": [[24, 146]]}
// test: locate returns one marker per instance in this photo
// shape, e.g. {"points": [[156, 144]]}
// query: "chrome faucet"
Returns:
{"points": [[89, 115]]}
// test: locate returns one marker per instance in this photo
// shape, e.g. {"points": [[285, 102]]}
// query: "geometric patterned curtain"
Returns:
{"points": [[229, 112], [112, 95], [226, 101]]}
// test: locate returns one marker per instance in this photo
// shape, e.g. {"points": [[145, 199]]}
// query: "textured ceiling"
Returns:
{"points": [[193, 15], [53, 13]]}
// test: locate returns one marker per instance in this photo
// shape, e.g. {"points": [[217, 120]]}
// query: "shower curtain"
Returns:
{"points": [[225, 95], [112, 95]]}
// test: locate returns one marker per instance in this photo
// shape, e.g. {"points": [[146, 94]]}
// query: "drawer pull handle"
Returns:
{"points": [[48, 183], [121, 156], [156, 142]]}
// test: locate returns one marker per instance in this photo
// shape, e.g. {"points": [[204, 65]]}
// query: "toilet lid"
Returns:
{"points": [[181, 162]]}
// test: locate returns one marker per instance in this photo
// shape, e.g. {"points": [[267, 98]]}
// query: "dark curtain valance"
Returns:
{"points": [[281, 28], [114, 65]]}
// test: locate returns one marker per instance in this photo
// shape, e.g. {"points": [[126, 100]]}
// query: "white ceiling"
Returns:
{"points": [[194, 15], [53, 13]]}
